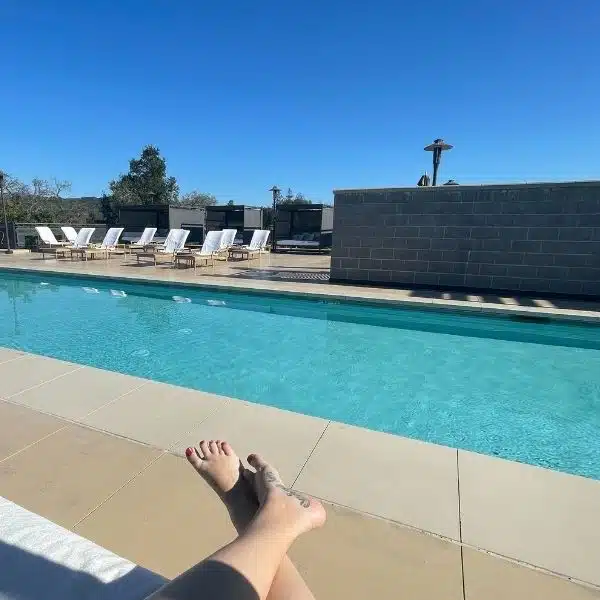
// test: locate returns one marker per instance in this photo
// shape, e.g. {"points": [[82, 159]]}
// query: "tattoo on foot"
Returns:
{"points": [[270, 477], [304, 500]]}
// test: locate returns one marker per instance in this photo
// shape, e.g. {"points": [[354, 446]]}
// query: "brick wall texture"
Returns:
{"points": [[526, 237]]}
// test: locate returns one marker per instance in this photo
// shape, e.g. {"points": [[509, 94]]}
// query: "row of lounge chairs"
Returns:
{"points": [[217, 244], [79, 243]]}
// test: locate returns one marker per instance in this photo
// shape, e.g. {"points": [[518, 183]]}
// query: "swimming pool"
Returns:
{"points": [[525, 391]]}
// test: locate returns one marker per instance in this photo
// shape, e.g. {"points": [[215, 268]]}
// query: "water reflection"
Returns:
{"points": [[158, 317], [20, 291], [24, 290]]}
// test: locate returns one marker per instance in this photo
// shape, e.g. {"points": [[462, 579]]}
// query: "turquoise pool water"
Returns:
{"points": [[526, 391]]}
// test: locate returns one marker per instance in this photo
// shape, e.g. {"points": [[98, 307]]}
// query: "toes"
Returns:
{"points": [[257, 462], [227, 449], [219, 448], [212, 446], [204, 449], [193, 458], [266, 476]]}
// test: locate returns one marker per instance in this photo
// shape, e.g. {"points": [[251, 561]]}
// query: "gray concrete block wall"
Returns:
{"points": [[521, 237]]}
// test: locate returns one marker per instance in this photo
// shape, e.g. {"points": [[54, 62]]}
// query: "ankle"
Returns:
{"points": [[270, 518], [240, 517]]}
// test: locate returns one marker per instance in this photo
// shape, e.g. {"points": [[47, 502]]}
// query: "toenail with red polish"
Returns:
{"points": [[188, 452]]}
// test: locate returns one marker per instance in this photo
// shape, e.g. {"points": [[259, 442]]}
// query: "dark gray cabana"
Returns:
{"points": [[246, 219], [134, 218], [304, 227]]}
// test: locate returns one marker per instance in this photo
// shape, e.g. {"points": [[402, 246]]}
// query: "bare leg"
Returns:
{"points": [[245, 568], [218, 464]]}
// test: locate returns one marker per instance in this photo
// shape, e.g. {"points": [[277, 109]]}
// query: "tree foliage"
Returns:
{"points": [[291, 198], [40, 202], [195, 199], [146, 182]]}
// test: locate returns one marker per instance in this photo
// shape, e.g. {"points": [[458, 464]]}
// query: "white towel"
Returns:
{"points": [[40, 560]]}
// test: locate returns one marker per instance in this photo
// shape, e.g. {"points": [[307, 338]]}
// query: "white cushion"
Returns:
{"points": [[39, 559]]}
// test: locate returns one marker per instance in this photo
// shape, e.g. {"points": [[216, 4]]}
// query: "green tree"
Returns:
{"points": [[145, 183], [196, 199], [301, 199], [231, 203], [291, 198]]}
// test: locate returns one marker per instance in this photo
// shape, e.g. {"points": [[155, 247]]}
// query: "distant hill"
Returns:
{"points": [[85, 198]]}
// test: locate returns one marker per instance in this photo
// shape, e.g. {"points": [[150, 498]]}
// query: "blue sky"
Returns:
{"points": [[314, 95]]}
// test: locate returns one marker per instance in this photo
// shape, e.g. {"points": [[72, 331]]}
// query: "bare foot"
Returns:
{"points": [[221, 468], [281, 505]]}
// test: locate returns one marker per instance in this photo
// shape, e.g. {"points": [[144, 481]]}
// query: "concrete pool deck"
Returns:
{"points": [[404, 516], [308, 275], [101, 453]]}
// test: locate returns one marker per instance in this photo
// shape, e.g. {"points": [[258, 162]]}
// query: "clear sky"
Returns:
{"points": [[321, 94]]}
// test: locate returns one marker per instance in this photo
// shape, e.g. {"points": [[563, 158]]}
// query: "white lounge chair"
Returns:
{"points": [[256, 240], [108, 245], [81, 241], [145, 239], [70, 234], [49, 241], [47, 236], [265, 238], [227, 241], [174, 243], [254, 248], [210, 248], [41, 559]]}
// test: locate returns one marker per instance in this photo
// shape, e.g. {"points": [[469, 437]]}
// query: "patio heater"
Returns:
{"points": [[437, 148], [275, 191], [8, 250]]}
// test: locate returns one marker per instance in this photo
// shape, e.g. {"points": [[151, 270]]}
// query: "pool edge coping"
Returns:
{"points": [[514, 559], [435, 304]]}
